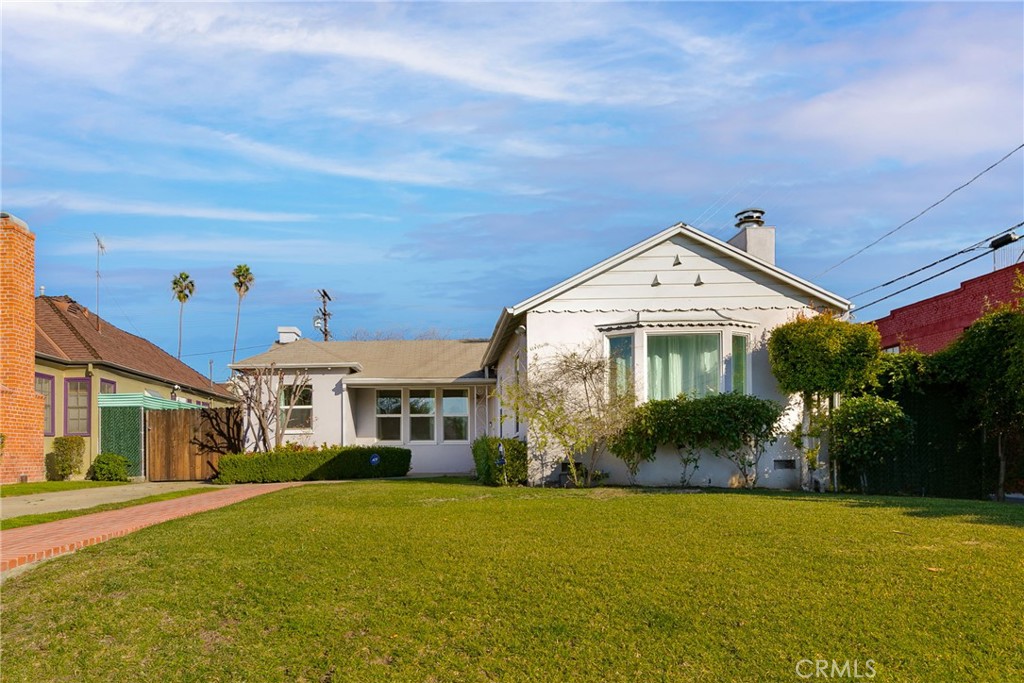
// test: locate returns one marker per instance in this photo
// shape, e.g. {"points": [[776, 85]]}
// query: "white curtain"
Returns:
{"points": [[682, 364]]}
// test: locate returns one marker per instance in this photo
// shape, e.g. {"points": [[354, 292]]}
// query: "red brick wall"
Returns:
{"points": [[933, 324], [21, 408]]}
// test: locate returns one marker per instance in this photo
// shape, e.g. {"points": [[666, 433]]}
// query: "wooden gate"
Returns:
{"points": [[186, 445]]}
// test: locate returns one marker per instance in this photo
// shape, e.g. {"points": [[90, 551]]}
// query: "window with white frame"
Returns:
{"points": [[455, 414], [620, 364], [298, 399], [389, 414], [683, 364], [421, 414]]}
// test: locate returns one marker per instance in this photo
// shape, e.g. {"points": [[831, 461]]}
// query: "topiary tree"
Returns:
{"points": [[868, 430], [818, 357]]}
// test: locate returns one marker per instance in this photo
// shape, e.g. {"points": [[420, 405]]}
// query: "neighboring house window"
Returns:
{"points": [[738, 364], [683, 364], [893, 349], [620, 364], [421, 414], [76, 406], [108, 386], [44, 386], [455, 411], [300, 399], [389, 414]]}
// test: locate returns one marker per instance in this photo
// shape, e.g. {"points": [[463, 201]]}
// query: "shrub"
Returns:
{"points": [[734, 426], [867, 431], [66, 457], [335, 462], [109, 467], [486, 455]]}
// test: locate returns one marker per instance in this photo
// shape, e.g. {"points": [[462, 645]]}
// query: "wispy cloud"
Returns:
{"points": [[80, 203]]}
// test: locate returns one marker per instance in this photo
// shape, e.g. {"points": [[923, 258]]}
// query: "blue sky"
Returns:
{"points": [[430, 163]]}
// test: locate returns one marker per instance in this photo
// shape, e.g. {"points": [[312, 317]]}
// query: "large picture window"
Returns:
{"points": [[76, 406], [455, 411], [683, 364], [421, 414], [300, 399], [44, 386], [620, 364], [389, 414]]}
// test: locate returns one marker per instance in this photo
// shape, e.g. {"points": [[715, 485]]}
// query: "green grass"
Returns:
{"points": [[33, 487], [430, 581], [30, 520]]}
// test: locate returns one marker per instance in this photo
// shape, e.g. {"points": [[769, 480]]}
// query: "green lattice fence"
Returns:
{"points": [[121, 433]]}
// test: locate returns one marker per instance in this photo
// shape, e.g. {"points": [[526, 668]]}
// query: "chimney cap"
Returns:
{"points": [[752, 217]]}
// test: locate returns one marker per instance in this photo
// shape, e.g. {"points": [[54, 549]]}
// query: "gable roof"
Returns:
{"points": [[67, 333], [511, 316], [442, 360]]}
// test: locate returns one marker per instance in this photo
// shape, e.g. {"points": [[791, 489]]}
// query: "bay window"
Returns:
{"points": [[620, 368], [683, 364]]}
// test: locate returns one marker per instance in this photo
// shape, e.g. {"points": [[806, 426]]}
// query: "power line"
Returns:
{"points": [[976, 245], [908, 222], [921, 282], [207, 353]]}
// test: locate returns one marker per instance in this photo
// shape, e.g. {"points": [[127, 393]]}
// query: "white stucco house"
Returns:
{"points": [[682, 312]]}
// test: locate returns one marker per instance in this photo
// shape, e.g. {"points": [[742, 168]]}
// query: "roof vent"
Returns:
{"points": [[750, 218], [286, 335]]}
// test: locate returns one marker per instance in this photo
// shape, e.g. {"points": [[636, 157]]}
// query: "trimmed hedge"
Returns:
{"points": [[486, 454], [335, 462], [108, 467]]}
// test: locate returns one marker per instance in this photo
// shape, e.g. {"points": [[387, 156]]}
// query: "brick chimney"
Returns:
{"points": [[21, 417], [754, 237]]}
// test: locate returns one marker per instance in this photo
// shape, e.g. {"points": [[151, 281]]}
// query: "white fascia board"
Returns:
{"points": [[410, 381], [492, 352]]}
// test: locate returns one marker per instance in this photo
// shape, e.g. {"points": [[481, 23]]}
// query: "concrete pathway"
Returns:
{"points": [[78, 499], [24, 546]]}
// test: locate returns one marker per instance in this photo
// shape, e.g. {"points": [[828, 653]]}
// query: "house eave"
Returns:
{"points": [[409, 381]]}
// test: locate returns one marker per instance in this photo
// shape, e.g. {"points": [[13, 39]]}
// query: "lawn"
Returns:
{"points": [[429, 581], [42, 518], [34, 487]]}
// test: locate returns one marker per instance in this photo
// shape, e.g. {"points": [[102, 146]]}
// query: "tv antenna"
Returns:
{"points": [[100, 249], [323, 316]]}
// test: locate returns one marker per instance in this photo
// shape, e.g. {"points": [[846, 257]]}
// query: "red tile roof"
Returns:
{"points": [[67, 331]]}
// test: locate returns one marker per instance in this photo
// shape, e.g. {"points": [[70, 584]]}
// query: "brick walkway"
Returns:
{"points": [[26, 545]]}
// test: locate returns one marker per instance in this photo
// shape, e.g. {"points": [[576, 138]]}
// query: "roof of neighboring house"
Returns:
{"points": [[67, 332], [409, 360], [511, 316]]}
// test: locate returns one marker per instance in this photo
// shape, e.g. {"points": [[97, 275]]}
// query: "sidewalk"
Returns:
{"points": [[20, 547], [78, 499]]}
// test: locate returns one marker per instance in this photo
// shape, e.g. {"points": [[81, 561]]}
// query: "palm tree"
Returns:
{"points": [[182, 287], [243, 281]]}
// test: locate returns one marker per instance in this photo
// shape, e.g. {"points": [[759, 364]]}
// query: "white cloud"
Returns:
{"points": [[83, 203]]}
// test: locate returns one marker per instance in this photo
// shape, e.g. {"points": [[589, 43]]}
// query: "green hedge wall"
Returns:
{"points": [[337, 462], [485, 455]]}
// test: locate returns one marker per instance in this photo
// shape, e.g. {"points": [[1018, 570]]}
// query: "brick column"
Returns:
{"points": [[21, 408]]}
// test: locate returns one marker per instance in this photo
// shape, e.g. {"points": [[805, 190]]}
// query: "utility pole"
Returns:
{"points": [[323, 316]]}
